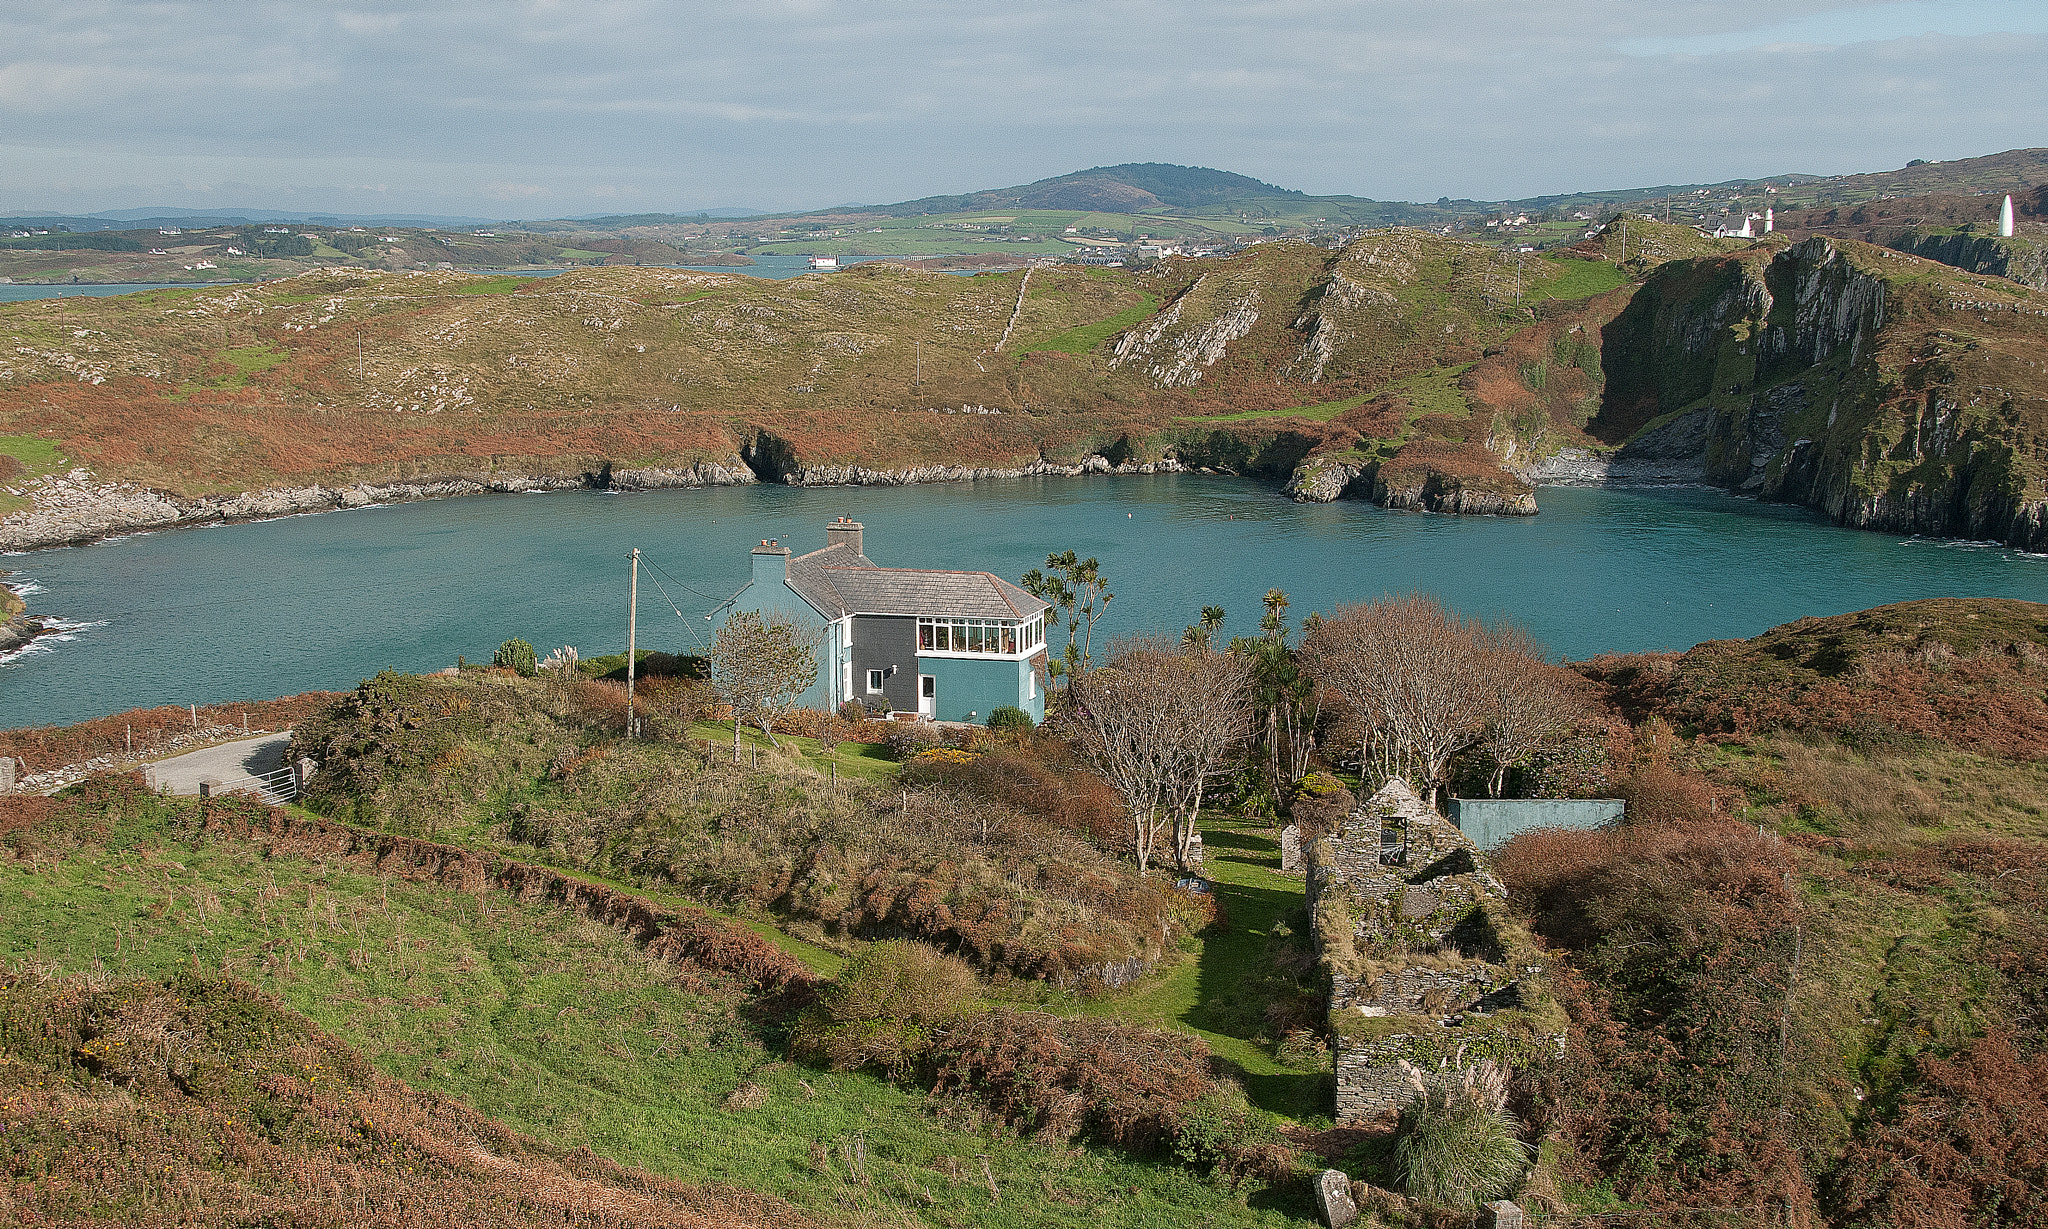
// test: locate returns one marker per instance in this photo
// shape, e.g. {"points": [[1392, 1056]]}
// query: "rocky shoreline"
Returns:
{"points": [[76, 508], [16, 627]]}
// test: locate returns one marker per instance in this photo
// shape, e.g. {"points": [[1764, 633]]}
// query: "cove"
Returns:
{"points": [[274, 607]]}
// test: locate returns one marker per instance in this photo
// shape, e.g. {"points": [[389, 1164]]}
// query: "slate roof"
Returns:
{"points": [[838, 581]]}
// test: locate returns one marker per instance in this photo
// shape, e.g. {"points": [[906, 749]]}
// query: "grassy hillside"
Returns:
{"points": [[447, 1026], [352, 375], [1807, 973]]}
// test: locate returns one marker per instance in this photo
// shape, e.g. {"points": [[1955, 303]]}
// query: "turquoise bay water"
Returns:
{"points": [[251, 611]]}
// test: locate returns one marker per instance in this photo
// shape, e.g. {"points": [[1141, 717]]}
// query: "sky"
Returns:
{"points": [[546, 108]]}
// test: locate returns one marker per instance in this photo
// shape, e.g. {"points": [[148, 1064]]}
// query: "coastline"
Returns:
{"points": [[77, 509], [17, 628]]}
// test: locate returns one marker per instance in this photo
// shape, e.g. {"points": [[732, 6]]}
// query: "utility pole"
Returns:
{"points": [[632, 628]]}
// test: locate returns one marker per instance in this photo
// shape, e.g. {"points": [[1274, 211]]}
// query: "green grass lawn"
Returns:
{"points": [[37, 456], [561, 1028], [860, 761], [1582, 279], [1216, 993], [1085, 338]]}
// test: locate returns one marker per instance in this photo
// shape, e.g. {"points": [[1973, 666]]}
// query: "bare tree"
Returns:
{"points": [[761, 665], [1157, 722], [1408, 668], [1532, 703], [1423, 684]]}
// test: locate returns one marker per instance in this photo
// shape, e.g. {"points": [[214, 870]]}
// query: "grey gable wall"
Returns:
{"points": [[881, 641]]}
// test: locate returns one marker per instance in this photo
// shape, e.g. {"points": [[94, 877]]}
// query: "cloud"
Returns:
{"points": [[472, 107]]}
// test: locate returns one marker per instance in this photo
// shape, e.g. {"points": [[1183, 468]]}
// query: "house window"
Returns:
{"points": [[874, 682], [989, 637]]}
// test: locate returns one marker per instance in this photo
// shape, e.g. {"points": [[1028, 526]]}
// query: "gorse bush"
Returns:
{"points": [[518, 656], [883, 1008], [1452, 1148], [1144, 1090], [542, 764], [1009, 717], [1321, 804]]}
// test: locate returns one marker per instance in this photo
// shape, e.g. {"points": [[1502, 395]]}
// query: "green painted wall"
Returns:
{"points": [[971, 688]]}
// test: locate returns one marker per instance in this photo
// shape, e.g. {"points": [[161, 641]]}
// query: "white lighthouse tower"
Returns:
{"points": [[1769, 223], [2005, 217]]}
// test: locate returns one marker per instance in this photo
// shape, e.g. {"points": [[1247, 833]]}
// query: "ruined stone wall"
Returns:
{"points": [[1427, 970]]}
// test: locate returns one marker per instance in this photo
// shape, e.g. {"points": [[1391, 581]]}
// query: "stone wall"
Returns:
{"points": [[1426, 967]]}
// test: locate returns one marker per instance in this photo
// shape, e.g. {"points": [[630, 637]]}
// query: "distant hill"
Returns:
{"points": [[1133, 187], [1165, 188]]}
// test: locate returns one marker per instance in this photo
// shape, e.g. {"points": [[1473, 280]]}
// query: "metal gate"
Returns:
{"points": [[276, 787]]}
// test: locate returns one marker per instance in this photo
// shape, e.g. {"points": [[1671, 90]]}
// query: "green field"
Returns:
{"points": [[1088, 336], [559, 1027], [1319, 412], [36, 456], [1582, 279], [1222, 993]]}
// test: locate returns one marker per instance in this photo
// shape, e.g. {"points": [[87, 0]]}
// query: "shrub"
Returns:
{"points": [[1144, 1090], [672, 705], [518, 656], [851, 711], [1009, 717], [883, 1008], [833, 729], [1453, 1149], [908, 738], [1321, 804]]}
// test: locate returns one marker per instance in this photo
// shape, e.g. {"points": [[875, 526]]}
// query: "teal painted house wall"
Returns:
{"points": [[769, 591], [970, 688]]}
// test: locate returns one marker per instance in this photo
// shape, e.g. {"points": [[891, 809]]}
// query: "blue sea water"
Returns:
{"points": [[258, 610]]}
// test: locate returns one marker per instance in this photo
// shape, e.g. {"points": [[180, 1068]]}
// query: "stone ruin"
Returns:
{"points": [[1428, 971]]}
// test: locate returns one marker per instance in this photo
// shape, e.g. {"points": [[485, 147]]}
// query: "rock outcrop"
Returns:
{"points": [[1322, 480], [16, 628], [1889, 392], [2018, 259]]}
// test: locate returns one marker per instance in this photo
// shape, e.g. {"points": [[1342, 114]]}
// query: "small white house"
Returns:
{"points": [[824, 262]]}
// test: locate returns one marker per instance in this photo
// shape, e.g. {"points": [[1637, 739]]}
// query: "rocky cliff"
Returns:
{"points": [[2018, 259], [1891, 392]]}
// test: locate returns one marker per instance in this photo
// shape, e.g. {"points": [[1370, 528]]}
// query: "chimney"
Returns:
{"points": [[843, 532], [771, 564]]}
